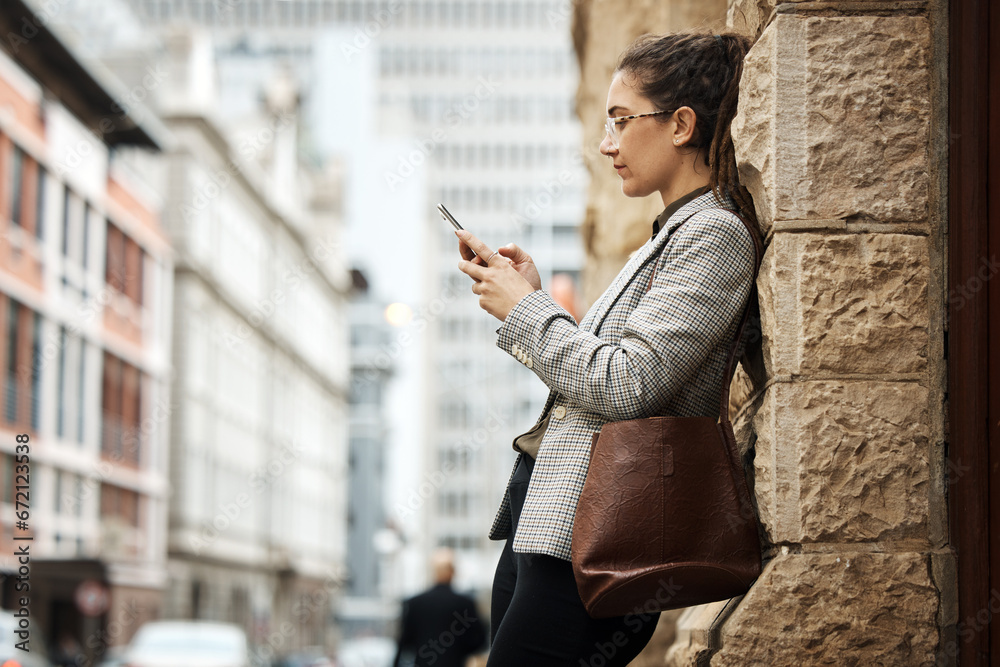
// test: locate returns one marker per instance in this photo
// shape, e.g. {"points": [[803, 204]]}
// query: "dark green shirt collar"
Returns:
{"points": [[674, 206]]}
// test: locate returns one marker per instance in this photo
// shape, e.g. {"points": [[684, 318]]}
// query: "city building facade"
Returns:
{"points": [[85, 303], [478, 97], [252, 525], [369, 605], [259, 451]]}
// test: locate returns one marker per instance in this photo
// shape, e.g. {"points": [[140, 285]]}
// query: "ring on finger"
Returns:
{"points": [[495, 253]]}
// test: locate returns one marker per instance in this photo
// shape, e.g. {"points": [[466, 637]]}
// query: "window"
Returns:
{"points": [[75, 228], [80, 384], [59, 491], [20, 381], [61, 389], [72, 366], [124, 269], [16, 186], [85, 242], [114, 272], [67, 199], [7, 478], [40, 203], [36, 367], [134, 271], [117, 502], [121, 412]]}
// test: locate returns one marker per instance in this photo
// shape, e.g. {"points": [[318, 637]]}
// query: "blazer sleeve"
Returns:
{"points": [[699, 291]]}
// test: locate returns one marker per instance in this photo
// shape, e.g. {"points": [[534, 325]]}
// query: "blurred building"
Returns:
{"points": [[369, 605], [486, 91], [259, 451], [254, 530], [479, 98], [85, 309]]}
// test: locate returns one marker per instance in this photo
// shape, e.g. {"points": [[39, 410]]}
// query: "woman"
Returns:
{"points": [[655, 343]]}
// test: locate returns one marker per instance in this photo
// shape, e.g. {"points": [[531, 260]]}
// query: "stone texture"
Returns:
{"points": [[844, 461], [844, 609], [845, 303], [663, 637], [749, 17], [833, 119], [697, 635], [616, 225]]}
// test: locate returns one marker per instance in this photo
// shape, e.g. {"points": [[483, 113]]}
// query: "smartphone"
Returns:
{"points": [[446, 214]]}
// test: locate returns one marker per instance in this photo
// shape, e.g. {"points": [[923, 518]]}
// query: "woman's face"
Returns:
{"points": [[646, 159]]}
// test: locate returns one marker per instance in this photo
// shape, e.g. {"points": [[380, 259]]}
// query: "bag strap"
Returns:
{"points": [[731, 361]]}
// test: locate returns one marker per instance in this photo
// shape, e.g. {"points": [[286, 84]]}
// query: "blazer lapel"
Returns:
{"points": [[599, 311]]}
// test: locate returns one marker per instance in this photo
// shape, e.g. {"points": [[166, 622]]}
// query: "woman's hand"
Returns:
{"points": [[501, 284], [519, 259], [522, 263]]}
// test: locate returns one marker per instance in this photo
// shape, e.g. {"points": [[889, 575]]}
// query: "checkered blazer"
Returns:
{"points": [[637, 353]]}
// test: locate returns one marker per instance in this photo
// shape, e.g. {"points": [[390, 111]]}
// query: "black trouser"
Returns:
{"points": [[537, 616]]}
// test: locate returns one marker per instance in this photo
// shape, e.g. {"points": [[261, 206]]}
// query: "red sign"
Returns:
{"points": [[92, 598]]}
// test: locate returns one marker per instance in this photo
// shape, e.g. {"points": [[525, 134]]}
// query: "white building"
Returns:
{"points": [[259, 447], [487, 91]]}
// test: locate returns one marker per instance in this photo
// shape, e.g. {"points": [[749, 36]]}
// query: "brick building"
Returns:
{"points": [[85, 279]]}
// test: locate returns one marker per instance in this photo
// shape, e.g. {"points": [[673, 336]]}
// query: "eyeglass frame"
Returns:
{"points": [[611, 123]]}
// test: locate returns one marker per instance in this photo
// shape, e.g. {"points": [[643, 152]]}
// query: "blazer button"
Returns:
{"points": [[528, 362], [559, 412], [515, 350]]}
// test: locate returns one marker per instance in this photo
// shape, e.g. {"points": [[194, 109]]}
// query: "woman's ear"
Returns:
{"points": [[685, 122]]}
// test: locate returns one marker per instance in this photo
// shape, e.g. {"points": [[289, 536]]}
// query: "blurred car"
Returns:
{"points": [[307, 657], [13, 657], [114, 656], [188, 644], [367, 652]]}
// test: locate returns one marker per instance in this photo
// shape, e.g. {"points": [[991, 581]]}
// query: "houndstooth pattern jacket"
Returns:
{"points": [[635, 354]]}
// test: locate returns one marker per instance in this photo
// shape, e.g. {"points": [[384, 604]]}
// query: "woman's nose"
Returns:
{"points": [[607, 148]]}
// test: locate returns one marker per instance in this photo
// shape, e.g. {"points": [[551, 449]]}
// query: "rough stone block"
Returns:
{"points": [[749, 17], [845, 609], [834, 117], [845, 303], [697, 635], [844, 461]]}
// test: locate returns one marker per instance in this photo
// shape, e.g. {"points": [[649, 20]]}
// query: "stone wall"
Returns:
{"points": [[841, 137]]}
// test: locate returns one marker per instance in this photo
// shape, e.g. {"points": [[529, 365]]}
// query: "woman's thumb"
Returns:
{"points": [[511, 251]]}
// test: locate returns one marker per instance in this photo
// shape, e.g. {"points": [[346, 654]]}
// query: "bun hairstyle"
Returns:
{"points": [[701, 71]]}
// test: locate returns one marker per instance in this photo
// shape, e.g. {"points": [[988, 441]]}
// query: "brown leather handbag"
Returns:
{"points": [[665, 518]]}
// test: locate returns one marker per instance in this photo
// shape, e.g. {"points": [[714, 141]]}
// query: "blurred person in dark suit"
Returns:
{"points": [[439, 627]]}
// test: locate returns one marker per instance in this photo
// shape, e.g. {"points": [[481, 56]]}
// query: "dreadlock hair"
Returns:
{"points": [[701, 71]]}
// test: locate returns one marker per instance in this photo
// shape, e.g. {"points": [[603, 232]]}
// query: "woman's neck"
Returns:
{"points": [[690, 174], [681, 186]]}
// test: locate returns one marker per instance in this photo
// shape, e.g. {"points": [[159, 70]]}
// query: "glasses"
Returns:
{"points": [[611, 125]]}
